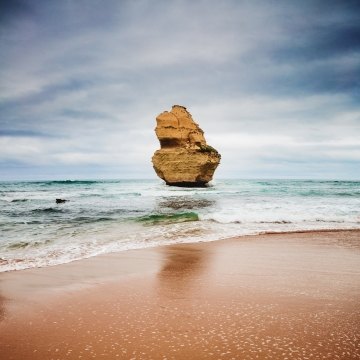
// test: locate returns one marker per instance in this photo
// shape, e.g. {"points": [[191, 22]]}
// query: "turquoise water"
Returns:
{"points": [[107, 216]]}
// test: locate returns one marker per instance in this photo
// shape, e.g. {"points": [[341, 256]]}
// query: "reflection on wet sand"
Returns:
{"points": [[181, 271], [2, 307]]}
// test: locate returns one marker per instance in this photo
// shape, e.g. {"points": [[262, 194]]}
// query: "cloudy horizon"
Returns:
{"points": [[274, 85]]}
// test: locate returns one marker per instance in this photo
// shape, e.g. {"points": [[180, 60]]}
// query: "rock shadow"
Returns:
{"points": [[184, 203]]}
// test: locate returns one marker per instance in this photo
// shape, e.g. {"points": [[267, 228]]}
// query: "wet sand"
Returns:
{"points": [[277, 296]]}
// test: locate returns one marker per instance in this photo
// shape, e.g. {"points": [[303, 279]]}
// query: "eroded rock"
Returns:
{"points": [[184, 158]]}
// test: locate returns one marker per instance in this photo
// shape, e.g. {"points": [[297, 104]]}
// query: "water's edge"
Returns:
{"points": [[109, 216]]}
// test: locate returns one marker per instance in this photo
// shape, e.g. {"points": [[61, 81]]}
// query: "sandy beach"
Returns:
{"points": [[274, 296]]}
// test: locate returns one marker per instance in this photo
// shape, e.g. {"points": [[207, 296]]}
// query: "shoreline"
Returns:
{"points": [[294, 295], [305, 231]]}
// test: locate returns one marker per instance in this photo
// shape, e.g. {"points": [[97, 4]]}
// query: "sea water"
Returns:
{"points": [[108, 216]]}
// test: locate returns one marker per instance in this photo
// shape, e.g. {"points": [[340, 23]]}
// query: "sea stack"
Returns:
{"points": [[184, 158]]}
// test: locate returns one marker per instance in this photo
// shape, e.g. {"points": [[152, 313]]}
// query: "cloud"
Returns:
{"points": [[272, 84]]}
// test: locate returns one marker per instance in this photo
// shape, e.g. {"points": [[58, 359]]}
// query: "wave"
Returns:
{"points": [[328, 193], [355, 193], [71, 182], [224, 221], [305, 231], [275, 222], [66, 182], [301, 221], [89, 219], [48, 210], [26, 244], [154, 219]]}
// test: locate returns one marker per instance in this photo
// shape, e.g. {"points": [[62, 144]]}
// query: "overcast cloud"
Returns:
{"points": [[275, 85]]}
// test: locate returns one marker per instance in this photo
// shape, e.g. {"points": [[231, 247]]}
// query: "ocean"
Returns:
{"points": [[115, 215]]}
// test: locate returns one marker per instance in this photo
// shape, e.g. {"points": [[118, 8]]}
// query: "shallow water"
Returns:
{"points": [[107, 216]]}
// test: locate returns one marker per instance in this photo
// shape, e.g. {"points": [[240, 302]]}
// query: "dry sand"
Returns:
{"points": [[278, 296]]}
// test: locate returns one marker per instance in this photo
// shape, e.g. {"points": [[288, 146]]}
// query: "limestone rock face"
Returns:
{"points": [[184, 158]]}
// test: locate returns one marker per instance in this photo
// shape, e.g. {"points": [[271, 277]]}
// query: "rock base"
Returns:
{"points": [[189, 184]]}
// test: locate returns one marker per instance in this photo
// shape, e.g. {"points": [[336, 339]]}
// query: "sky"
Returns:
{"points": [[275, 85]]}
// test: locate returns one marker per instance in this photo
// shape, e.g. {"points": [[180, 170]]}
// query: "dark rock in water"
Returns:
{"points": [[60, 201], [184, 159]]}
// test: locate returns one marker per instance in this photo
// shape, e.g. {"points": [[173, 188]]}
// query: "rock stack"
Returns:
{"points": [[184, 158]]}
